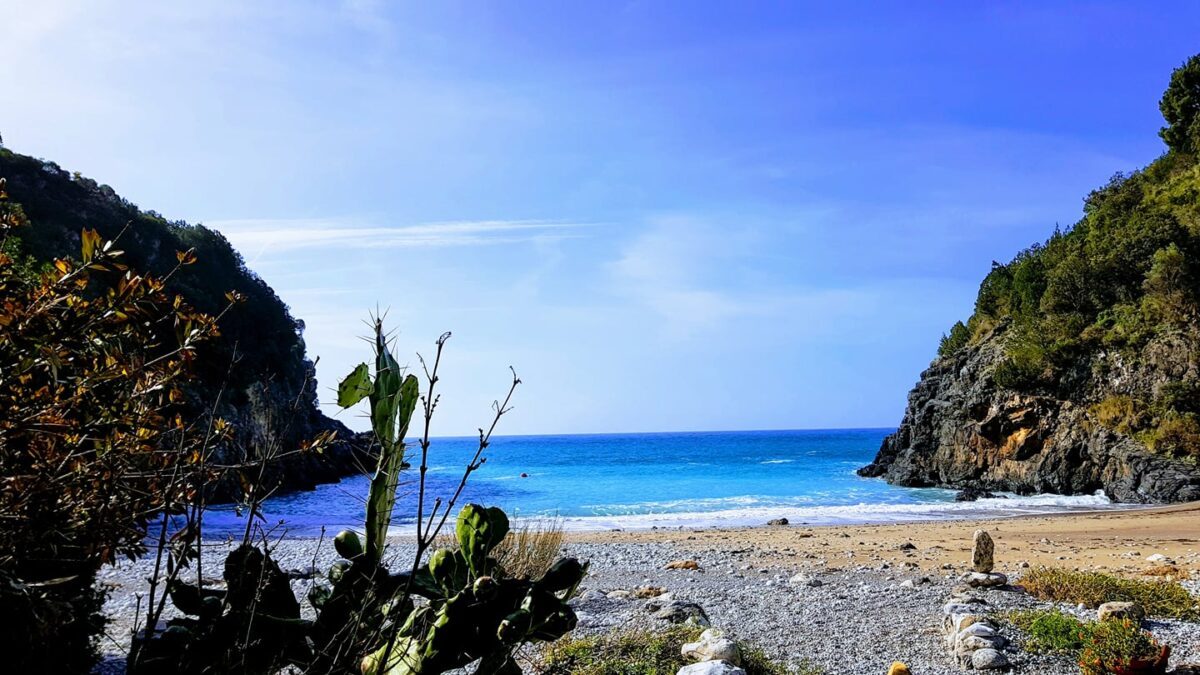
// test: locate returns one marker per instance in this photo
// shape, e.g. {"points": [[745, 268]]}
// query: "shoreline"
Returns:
{"points": [[219, 523]]}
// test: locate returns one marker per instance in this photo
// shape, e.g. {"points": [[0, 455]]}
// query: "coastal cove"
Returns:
{"points": [[598, 482]]}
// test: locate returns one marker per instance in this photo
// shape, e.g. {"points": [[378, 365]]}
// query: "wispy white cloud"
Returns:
{"points": [[287, 235], [695, 275]]}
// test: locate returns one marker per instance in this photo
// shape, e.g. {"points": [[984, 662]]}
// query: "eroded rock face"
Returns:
{"points": [[961, 430]]}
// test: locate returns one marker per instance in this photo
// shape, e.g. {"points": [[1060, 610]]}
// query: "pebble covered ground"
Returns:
{"points": [[847, 617]]}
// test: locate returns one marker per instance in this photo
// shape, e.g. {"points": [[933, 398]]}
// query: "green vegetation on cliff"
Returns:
{"points": [[1125, 276]]}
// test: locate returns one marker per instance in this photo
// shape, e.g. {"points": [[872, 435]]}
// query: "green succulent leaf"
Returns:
{"points": [[479, 530], [355, 387]]}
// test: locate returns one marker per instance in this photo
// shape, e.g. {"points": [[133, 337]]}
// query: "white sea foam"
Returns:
{"points": [[738, 511], [777, 461]]}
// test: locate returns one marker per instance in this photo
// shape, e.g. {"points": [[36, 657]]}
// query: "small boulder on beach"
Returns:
{"points": [[982, 552], [712, 646], [679, 611], [683, 565]]}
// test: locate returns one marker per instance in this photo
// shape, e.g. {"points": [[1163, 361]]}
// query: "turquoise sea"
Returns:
{"points": [[628, 481]]}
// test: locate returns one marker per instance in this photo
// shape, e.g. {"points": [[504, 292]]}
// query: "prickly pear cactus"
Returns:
{"points": [[479, 530], [252, 627], [476, 614]]}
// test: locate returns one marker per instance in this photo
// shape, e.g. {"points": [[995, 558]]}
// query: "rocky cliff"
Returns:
{"points": [[1079, 369], [961, 430], [256, 375]]}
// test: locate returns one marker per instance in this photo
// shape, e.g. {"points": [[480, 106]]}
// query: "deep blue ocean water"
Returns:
{"points": [[604, 481]]}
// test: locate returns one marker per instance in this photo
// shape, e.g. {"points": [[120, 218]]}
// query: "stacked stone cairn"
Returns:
{"points": [[971, 637]]}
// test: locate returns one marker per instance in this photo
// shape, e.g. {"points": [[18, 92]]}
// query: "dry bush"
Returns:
{"points": [[1167, 572], [93, 437]]}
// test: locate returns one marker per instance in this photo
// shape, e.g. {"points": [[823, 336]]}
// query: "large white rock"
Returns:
{"points": [[988, 659], [711, 668], [712, 646]]}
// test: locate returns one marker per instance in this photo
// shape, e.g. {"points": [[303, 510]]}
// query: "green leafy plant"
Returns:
{"points": [[1121, 648], [474, 609], [1049, 630]]}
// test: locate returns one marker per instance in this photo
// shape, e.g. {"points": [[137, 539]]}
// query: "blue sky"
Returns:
{"points": [[666, 216]]}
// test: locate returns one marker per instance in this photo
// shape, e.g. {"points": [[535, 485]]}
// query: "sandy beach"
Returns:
{"points": [[1107, 540]]}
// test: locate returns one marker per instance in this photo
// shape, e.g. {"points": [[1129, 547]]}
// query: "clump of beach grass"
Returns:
{"points": [[527, 551], [645, 652], [1159, 598]]}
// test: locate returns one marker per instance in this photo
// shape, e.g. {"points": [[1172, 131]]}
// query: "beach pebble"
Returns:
{"points": [[803, 579], [644, 592], [988, 659], [683, 565], [1121, 610], [778, 521], [592, 596], [898, 668], [1158, 558], [711, 668], [619, 595]]}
